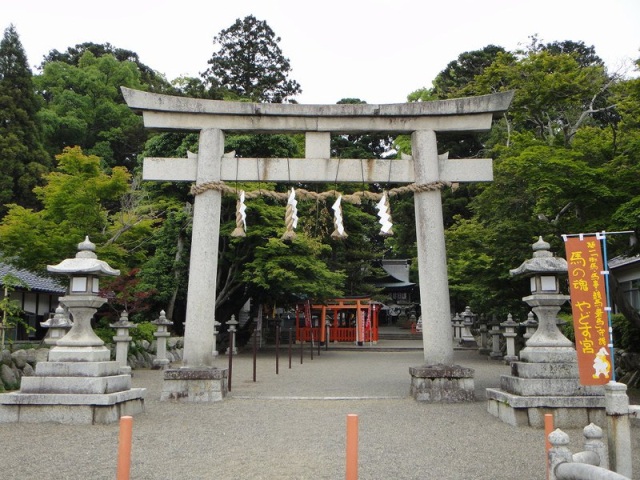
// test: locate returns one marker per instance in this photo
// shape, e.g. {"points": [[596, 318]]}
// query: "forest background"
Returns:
{"points": [[566, 160]]}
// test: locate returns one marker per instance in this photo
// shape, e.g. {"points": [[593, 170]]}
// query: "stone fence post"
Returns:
{"points": [[590, 463], [618, 426]]}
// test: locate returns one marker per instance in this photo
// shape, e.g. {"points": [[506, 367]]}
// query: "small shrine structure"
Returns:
{"points": [[351, 319]]}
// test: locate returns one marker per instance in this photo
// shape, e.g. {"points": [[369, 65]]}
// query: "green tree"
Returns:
{"points": [[250, 64], [556, 93], [153, 80], [9, 307], [23, 159], [78, 199], [84, 107]]}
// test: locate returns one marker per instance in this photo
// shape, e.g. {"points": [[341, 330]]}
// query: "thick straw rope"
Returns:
{"points": [[302, 194]]}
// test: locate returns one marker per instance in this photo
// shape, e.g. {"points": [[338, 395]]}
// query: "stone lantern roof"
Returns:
{"points": [[542, 262], [85, 262]]}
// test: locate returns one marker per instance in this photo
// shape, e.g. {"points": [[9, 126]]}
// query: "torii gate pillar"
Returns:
{"points": [[203, 269], [432, 258]]}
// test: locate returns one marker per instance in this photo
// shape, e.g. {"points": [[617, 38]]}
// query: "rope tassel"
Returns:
{"points": [[291, 217], [338, 233], [241, 217], [385, 216]]}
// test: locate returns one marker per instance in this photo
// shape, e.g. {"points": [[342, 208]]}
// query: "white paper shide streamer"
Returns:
{"points": [[241, 217], [291, 216], [294, 207], [385, 215], [339, 232]]}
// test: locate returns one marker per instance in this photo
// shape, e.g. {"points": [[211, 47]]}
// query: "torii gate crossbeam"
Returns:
{"points": [[213, 118]]}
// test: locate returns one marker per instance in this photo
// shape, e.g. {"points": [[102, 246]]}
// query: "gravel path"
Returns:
{"points": [[293, 426]]}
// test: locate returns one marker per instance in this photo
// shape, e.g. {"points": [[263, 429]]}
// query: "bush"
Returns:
{"points": [[626, 335], [143, 331]]}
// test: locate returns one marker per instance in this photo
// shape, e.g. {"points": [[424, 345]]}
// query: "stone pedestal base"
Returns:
{"points": [[160, 363], [523, 411], [198, 385], [73, 393], [535, 389], [442, 383]]}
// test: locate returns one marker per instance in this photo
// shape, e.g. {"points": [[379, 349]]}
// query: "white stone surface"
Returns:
{"points": [[432, 258], [79, 354], [199, 339], [460, 114], [324, 168], [81, 385]]}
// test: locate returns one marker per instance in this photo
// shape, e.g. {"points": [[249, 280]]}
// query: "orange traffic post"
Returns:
{"points": [[352, 447], [124, 448], [548, 428]]}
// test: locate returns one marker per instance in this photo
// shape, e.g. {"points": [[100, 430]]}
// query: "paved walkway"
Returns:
{"points": [[293, 426]]}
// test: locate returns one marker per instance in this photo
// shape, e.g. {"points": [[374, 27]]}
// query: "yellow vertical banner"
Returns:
{"points": [[588, 304]]}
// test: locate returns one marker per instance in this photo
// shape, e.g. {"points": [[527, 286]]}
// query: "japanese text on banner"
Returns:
{"points": [[588, 303]]}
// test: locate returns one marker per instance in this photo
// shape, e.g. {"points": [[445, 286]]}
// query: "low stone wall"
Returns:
{"points": [[22, 361], [144, 356], [628, 368], [15, 365]]}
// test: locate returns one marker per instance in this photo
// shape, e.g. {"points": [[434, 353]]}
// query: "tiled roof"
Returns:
{"points": [[621, 261], [36, 283]]}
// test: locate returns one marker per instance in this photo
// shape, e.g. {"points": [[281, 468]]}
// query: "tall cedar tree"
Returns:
{"points": [[23, 159], [250, 64]]}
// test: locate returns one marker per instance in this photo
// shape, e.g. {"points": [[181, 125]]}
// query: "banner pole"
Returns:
{"points": [[603, 240]]}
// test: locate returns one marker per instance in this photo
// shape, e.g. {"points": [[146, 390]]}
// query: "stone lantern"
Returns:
{"points": [[123, 340], [545, 379], [58, 326], [79, 383], [161, 334], [466, 337], [232, 324], [84, 272], [547, 344]]}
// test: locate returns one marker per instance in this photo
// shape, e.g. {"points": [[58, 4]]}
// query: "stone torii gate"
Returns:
{"points": [[424, 167]]}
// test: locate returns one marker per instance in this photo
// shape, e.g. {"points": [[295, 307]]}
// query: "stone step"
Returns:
{"points": [[75, 385]]}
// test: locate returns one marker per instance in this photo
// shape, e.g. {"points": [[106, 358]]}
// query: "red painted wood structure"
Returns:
{"points": [[349, 319]]}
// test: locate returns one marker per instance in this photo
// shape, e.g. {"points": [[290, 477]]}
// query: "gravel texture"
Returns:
{"points": [[293, 426]]}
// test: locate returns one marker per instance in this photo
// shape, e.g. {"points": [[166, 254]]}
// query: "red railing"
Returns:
{"points": [[336, 334]]}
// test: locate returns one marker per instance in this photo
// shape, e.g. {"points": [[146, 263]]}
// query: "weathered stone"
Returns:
{"points": [[442, 383], [41, 355], [19, 358], [28, 371], [5, 357], [194, 385], [8, 377]]}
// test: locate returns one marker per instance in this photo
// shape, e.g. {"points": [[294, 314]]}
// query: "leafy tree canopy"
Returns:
{"points": [[78, 199], [84, 107]]}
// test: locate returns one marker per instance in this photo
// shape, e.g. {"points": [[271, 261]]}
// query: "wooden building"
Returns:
{"points": [[349, 319], [37, 297]]}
